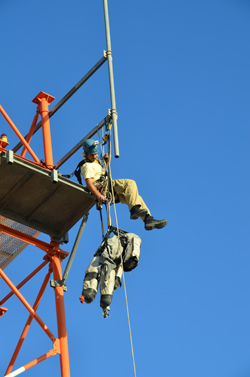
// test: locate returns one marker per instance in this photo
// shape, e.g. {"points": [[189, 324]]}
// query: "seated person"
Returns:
{"points": [[126, 189]]}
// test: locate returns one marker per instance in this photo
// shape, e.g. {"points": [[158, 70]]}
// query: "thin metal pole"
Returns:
{"points": [[80, 144], [111, 78], [74, 249], [66, 97]]}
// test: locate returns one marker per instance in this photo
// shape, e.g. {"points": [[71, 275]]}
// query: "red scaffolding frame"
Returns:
{"points": [[42, 170], [53, 257]]}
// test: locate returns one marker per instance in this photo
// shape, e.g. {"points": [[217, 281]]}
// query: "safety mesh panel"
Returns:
{"points": [[9, 246]]}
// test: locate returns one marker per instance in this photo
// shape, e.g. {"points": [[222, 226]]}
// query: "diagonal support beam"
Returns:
{"points": [[28, 323], [32, 127], [19, 135], [24, 281], [31, 364], [75, 247], [80, 143], [27, 305], [67, 96]]}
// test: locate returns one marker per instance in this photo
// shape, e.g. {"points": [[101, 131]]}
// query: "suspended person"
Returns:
{"points": [[114, 255], [93, 172]]}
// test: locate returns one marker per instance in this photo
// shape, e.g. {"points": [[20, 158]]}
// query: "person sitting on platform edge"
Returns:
{"points": [[126, 189]]}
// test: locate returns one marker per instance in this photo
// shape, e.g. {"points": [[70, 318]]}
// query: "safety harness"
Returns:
{"points": [[77, 171], [122, 245], [101, 184]]}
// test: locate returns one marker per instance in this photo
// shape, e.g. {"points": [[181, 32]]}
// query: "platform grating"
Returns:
{"points": [[10, 247]]}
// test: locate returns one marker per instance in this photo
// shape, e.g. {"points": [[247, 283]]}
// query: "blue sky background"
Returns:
{"points": [[181, 71]]}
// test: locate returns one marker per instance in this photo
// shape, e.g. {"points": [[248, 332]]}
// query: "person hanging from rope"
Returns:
{"points": [[126, 189], [114, 255]]}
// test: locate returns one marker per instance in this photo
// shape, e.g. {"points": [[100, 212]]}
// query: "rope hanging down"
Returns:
{"points": [[123, 277], [111, 199], [107, 140]]}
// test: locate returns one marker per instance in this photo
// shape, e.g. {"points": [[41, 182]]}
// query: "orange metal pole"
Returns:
{"points": [[32, 363], [27, 325], [19, 135], [32, 127], [27, 305], [39, 359], [25, 237], [44, 111], [2, 311], [61, 318], [24, 281], [29, 239]]}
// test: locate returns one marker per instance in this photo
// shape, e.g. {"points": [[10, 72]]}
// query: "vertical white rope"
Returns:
{"points": [[130, 332], [100, 143], [123, 277]]}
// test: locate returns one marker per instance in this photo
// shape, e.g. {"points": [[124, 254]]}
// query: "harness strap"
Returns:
{"points": [[77, 172]]}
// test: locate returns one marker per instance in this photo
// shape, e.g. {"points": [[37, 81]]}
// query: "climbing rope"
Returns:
{"points": [[107, 140], [101, 146], [123, 277]]}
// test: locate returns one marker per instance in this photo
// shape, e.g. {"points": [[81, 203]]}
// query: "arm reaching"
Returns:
{"points": [[93, 190]]}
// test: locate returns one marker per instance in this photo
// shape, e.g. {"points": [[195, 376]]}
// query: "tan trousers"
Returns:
{"points": [[128, 193]]}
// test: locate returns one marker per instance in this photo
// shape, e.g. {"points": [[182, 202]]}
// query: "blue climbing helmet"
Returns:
{"points": [[91, 146]]}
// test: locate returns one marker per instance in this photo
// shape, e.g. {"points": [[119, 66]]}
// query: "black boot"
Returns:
{"points": [[136, 212], [151, 223]]}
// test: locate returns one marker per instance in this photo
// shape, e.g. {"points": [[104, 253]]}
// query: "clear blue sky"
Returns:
{"points": [[182, 81]]}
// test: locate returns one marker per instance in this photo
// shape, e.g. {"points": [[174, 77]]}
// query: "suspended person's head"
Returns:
{"points": [[91, 148]]}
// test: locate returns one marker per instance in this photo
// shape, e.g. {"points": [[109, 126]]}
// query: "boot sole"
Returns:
{"points": [[157, 226], [143, 212]]}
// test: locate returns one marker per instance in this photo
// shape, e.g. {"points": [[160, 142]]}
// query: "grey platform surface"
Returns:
{"points": [[28, 196], [11, 247]]}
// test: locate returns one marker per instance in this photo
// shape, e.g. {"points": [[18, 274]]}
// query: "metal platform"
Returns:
{"points": [[11, 247], [29, 196]]}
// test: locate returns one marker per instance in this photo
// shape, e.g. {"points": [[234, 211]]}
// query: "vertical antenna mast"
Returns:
{"points": [[111, 78]]}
